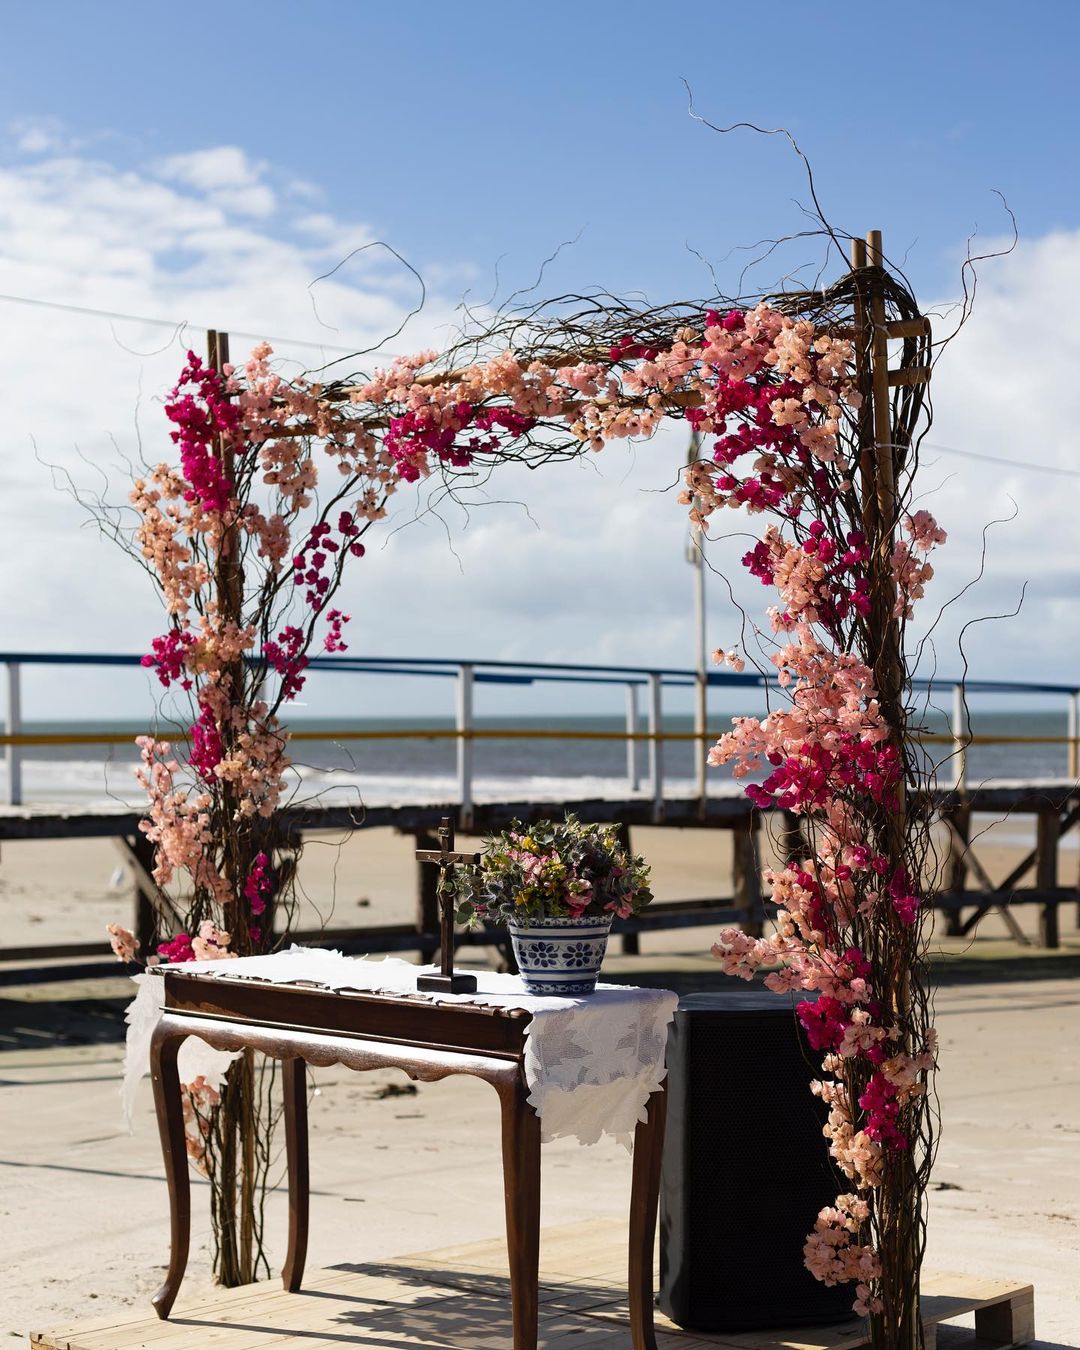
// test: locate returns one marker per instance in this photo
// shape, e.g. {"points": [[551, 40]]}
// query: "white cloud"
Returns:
{"points": [[225, 174], [603, 578], [40, 135], [1006, 388]]}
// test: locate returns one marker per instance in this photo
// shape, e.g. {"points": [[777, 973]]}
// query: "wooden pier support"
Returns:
{"points": [[956, 865], [1048, 829], [969, 892]]}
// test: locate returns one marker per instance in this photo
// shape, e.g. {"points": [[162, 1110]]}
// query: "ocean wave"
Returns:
{"points": [[87, 783]]}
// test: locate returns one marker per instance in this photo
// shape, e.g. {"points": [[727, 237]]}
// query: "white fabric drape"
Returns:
{"points": [[590, 1063]]}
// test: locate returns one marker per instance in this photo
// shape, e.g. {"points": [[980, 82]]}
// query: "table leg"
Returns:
{"points": [[294, 1078], [644, 1198], [170, 1115], [521, 1184]]}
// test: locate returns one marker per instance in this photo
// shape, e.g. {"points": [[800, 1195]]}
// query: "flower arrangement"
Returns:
{"points": [[247, 536], [553, 870], [846, 558]]}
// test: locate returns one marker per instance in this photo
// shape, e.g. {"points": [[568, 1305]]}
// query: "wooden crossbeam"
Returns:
{"points": [[908, 328], [916, 375], [1031, 859], [984, 876]]}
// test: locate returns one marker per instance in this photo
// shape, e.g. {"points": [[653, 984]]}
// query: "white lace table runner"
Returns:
{"points": [[590, 1063]]}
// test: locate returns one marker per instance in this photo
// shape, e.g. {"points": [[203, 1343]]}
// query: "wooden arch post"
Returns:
{"points": [[899, 1200]]}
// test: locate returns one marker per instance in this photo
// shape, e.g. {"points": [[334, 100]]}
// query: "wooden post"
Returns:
{"points": [[631, 942], [956, 866], [147, 929], [1046, 843], [746, 874], [794, 845], [897, 1203]]}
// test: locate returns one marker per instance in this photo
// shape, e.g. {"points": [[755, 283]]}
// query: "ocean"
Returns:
{"points": [[418, 768]]}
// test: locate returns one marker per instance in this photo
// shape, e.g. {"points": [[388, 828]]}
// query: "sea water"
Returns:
{"points": [[419, 768]]}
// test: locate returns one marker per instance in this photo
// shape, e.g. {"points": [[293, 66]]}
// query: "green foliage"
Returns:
{"points": [[552, 870]]}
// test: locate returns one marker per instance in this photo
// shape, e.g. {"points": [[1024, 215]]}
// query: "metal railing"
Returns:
{"points": [[467, 675]]}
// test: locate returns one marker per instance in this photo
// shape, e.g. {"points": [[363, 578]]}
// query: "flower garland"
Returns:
{"points": [[832, 757], [248, 473], [248, 539]]}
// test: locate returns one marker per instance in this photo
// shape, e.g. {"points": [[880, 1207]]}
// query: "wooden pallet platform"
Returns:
{"points": [[457, 1298]]}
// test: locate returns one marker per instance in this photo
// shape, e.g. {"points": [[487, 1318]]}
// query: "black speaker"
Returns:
{"points": [[746, 1168]]}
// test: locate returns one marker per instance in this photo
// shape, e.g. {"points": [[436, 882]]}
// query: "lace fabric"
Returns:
{"points": [[590, 1063]]}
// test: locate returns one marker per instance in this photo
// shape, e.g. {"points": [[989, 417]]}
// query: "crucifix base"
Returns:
{"points": [[447, 984]]}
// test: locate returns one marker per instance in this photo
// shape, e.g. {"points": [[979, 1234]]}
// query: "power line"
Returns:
{"points": [[169, 323], [349, 351], [998, 459]]}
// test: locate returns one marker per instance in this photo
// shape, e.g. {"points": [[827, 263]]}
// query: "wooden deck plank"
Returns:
{"points": [[458, 1298]]}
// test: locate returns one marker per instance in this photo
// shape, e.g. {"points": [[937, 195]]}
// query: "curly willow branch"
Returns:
{"points": [[250, 535]]}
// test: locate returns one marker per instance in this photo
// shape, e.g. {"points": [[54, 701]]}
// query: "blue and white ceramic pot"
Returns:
{"points": [[561, 956]]}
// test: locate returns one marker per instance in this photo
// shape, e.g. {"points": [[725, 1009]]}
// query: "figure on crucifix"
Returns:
{"points": [[447, 981]]}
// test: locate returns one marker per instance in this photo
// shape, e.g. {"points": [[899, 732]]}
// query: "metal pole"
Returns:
{"points": [[14, 726], [696, 556], [465, 743], [656, 746], [1074, 732], [961, 734], [632, 779]]}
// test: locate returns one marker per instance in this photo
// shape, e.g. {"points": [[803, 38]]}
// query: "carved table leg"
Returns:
{"points": [[644, 1197], [294, 1080], [521, 1183], [170, 1115]]}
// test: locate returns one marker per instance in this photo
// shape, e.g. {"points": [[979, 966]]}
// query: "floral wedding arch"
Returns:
{"points": [[277, 482]]}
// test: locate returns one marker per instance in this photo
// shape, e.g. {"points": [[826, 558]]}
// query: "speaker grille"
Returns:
{"points": [[746, 1169]]}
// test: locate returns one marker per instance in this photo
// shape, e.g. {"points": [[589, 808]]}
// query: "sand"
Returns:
{"points": [[82, 1211]]}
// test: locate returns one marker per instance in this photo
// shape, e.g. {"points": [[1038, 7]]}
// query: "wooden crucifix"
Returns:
{"points": [[446, 982]]}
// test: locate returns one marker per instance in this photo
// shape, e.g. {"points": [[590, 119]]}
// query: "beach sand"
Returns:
{"points": [[82, 1211]]}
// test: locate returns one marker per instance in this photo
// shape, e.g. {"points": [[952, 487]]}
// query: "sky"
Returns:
{"points": [[159, 164]]}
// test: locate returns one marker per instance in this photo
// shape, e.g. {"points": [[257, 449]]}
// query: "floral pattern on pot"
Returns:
{"points": [[561, 956]]}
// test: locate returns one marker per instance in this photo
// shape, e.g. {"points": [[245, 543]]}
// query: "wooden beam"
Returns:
{"points": [[914, 375], [908, 328]]}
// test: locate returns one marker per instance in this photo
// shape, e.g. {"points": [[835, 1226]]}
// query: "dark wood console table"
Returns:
{"points": [[428, 1041]]}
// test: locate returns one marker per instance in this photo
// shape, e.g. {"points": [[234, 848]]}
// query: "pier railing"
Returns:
{"points": [[470, 676], [648, 800]]}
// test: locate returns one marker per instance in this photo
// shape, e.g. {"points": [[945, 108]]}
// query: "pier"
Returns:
{"points": [[644, 798]]}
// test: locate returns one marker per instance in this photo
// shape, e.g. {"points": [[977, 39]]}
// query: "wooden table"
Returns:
{"points": [[428, 1041]]}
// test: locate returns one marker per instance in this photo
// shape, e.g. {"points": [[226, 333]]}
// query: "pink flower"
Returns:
{"points": [[258, 885], [177, 949], [122, 942], [924, 530], [211, 943]]}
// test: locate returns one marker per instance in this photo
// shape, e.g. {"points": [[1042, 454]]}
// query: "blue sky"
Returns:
{"points": [[471, 132], [207, 165]]}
